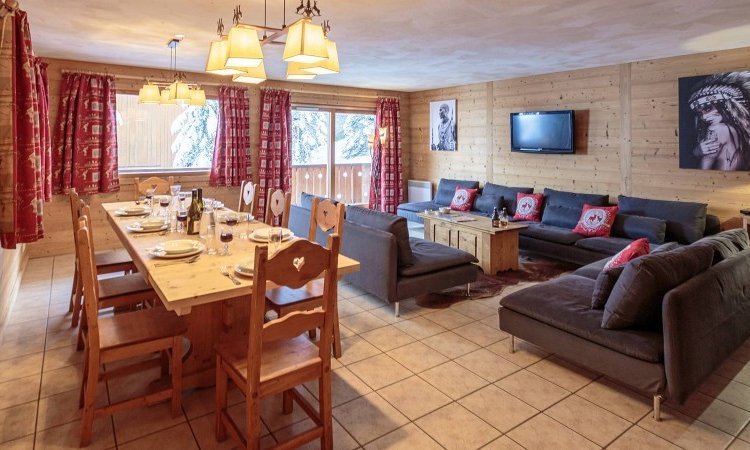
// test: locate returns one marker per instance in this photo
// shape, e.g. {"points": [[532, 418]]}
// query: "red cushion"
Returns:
{"points": [[596, 221], [635, 249], [529, 207], [463, 199]]}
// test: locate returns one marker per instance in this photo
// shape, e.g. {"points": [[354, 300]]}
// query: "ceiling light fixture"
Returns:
{"points": [[178, 92]]}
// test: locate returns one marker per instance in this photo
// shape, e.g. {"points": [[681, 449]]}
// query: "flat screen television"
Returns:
{"points": [[542, 132]]}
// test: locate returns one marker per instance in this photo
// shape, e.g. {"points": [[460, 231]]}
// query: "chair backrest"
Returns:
{"points": [[294, 266], [327, 216], [75, 213], [248, 197], [160, 185], [277, 207], [90, 284]]}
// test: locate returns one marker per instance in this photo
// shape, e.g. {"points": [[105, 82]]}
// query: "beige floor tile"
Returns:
{"points": [[205, 434], [60, 380], [19, 391], [238, 414], [355, 349], [480, 333], [419, 327], [474, 309], [525, 354], [684, 431], [487, 365], [347, 291], [58, 323], [64, 338], [347, 308], [417, 357], [453, 380], [273, 416], [638, 438], [448, 318], [379, 371], [745, 434], [387, 338], [199, 402], [22, 366], [178, 437], [58, 308], [63, 408], [361, 322], [407, 437], [502, 443], [369, 417], [23, 332], [739, 444], [21, 345], [345, 386], [126, 387], [135, 423], [17, 421], [588, 419], [538, 432], [729, 419], [27, 314], [498, 408], [24, 443], [532, 389], [449, 425], [734, 370], [341, 439], [617, 399], [68, 436], [414, 397], [732, 392], [388, 313], [450, 344], [367, 302], [62, 357], [563, 373]]}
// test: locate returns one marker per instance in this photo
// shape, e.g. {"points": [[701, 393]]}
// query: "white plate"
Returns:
{"points": [[178, 246], [134, 209], [157, 253], [133, 228], [262, 234], [245, 268], [123, 212], [150, 224]]}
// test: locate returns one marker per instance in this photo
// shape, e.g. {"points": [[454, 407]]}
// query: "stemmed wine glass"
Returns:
{"points": [[226, 237], [164, 203]]}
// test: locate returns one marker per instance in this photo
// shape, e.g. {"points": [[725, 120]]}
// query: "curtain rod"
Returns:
{"points": [[136, 77]]}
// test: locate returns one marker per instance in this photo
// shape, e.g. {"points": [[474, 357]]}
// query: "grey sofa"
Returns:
{"points": [[698, 320]]}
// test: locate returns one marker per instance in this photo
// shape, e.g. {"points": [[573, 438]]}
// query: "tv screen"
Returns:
{"points": [[542, 132]]}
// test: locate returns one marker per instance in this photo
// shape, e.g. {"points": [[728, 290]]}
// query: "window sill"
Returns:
{"points": [[161, 172]]}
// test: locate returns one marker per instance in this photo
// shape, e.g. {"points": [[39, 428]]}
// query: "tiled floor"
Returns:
{"points": [[433, 378]]}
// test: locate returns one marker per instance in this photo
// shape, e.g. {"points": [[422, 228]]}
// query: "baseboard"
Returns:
{"points": [[7, 306]]}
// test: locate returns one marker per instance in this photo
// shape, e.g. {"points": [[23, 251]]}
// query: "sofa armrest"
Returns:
{"points": [[378, 258]]}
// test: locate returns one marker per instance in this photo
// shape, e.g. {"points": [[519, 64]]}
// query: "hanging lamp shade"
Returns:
{"points": [[253, 75], [294, 71], [305, 43], [197, 97], [326, 66], [149, 94], [179, 92], [217, 58], [243, 47], [164, 98]]}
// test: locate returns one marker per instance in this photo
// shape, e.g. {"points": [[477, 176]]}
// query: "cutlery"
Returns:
{"points": [[161, 233], [225, 271], [190, 260]]}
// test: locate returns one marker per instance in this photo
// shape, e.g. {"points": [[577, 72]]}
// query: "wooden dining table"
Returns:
{"points": [[214, 307]]}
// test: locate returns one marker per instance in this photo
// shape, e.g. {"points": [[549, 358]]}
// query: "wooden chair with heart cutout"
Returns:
{"points": [[277, 207], [248, 197], [328, 217]]}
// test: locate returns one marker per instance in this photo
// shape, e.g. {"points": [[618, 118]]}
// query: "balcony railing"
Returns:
{"points": [[351, 182]]}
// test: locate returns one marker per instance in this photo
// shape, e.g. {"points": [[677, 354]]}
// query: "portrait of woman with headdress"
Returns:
{"points": [[715, 122]]}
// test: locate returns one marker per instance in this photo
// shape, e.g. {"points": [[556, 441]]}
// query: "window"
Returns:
{"points": [[330, 153], [159, 137]]}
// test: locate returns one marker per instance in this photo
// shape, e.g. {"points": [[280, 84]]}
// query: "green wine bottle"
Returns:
{"points": [[194, 214]]}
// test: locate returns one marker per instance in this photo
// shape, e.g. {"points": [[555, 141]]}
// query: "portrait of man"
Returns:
{"points": [[443, 127], [715, 122]]}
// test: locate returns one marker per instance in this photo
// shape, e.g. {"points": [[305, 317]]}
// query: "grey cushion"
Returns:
{"points": [[604, 245], [486, 203], [565, 303], [636, 227], [593, 269], [418, 206], [686, 221], [636, 299], [605, 281], [666, 247], [563, 209], [551, 233], [307, 199], [508, 193], [430, 257], [385, 222], [447, 188], [726, 244]]}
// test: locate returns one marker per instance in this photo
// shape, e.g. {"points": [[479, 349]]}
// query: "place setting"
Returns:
{"points": [[176, 251], [148, 227], [133, 211]]}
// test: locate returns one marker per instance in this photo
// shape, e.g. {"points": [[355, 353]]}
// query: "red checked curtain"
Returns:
{"points": [[24, 136], [275, 144], [231, 162], [386, 183], [85, 148]]}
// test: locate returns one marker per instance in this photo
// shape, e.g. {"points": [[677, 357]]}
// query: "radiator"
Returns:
{"points": [[419, 191]]}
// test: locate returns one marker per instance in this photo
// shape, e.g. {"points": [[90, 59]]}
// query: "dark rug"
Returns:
{"points": [[532, 269]]}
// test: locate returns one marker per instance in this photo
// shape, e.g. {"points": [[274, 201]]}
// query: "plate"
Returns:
{"points": [[124, 212], [178, 246], [134, 209], [133, 228], [245, 267], [158, 253], [149, 224], [261, 235]]}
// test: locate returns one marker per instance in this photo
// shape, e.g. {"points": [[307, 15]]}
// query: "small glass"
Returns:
{"points": [[150, 198], [274, 237], [226, 236], [175, 189], [182, 216], [164, 203], [245, 218]]}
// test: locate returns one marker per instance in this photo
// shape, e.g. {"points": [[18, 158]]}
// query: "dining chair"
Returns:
{"points": [[110, 261], [120, 337], [277, 207], [160, 185], [276, 357], [326, 216], [248, 197]]}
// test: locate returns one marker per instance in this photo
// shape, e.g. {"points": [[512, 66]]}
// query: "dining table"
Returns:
{"points": [[214, 307]]}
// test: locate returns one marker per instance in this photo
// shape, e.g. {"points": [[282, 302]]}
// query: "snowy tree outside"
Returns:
{"points": [[194, 132], [311, 135]]}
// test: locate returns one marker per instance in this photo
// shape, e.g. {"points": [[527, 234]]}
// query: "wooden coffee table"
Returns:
{"points": [[495, 248]]}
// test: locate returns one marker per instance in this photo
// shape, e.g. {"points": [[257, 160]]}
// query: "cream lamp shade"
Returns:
{"points": [[179, 92], [253, 75], [217, 59], [165, 100], [243, 48], [150, 94], [326, 66], [197, 97], [294, 71], [305, 43]]}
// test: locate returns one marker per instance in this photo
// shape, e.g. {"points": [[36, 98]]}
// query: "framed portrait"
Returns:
{"points": [[443, 125], [715, 122]]}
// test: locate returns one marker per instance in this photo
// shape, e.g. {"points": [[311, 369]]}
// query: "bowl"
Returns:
{"points": [[444, 210], [134, 209], [151, 224], [178, 246]]}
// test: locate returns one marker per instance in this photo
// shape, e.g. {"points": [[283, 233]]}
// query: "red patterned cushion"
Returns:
{"points": [[529, 207], [635, 249], [596, 220], [463, 199]]}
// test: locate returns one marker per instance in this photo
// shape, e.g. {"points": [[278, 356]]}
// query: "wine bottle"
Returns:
{"points": [[194, 214], [495, 218], [504, 218], [200, 199]]}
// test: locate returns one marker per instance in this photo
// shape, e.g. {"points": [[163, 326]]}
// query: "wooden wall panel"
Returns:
{"points": [[12, 263]]}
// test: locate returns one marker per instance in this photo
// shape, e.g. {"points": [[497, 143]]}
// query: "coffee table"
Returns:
{"points": [[495, 248]]}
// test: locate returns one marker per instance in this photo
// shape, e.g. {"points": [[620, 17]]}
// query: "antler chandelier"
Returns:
{"points": [[308, 51], [177, 92]]}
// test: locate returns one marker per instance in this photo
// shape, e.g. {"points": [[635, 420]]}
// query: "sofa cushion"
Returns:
{"points": [[635, 249], [419, 206], [563, 209], [382, 221], [486, 203], [307, 199], [636, 227], [593, 269], [725, 244], [551, 234], [604, 245], [686, 221], [447, 188], [508, 193], [636, 299], [529, 207], [565, 303], [430, 257], [605, 281], [596, 221], [463, 199]]}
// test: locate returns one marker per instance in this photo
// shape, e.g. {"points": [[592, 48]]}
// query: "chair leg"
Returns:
{"points": [[324, 395], [336, 333], [89, 399], [398, 313], [253, 420], [176, 375], [658, 399], [221, 400], [85, 377], [468, 289], [77, 302], [287, 402]]}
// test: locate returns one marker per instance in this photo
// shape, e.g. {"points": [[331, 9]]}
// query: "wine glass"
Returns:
{"points": [[226, 237], [274, 237], [164, 203], [150, 197], [182, 216], [246, 218], [175, 189]]}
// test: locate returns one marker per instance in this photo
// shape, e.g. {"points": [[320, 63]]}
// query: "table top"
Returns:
{"points": [[483, 224], [182, 286]]}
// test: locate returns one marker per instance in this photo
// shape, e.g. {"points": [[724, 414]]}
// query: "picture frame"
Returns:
{"points": [[443, 126]]}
